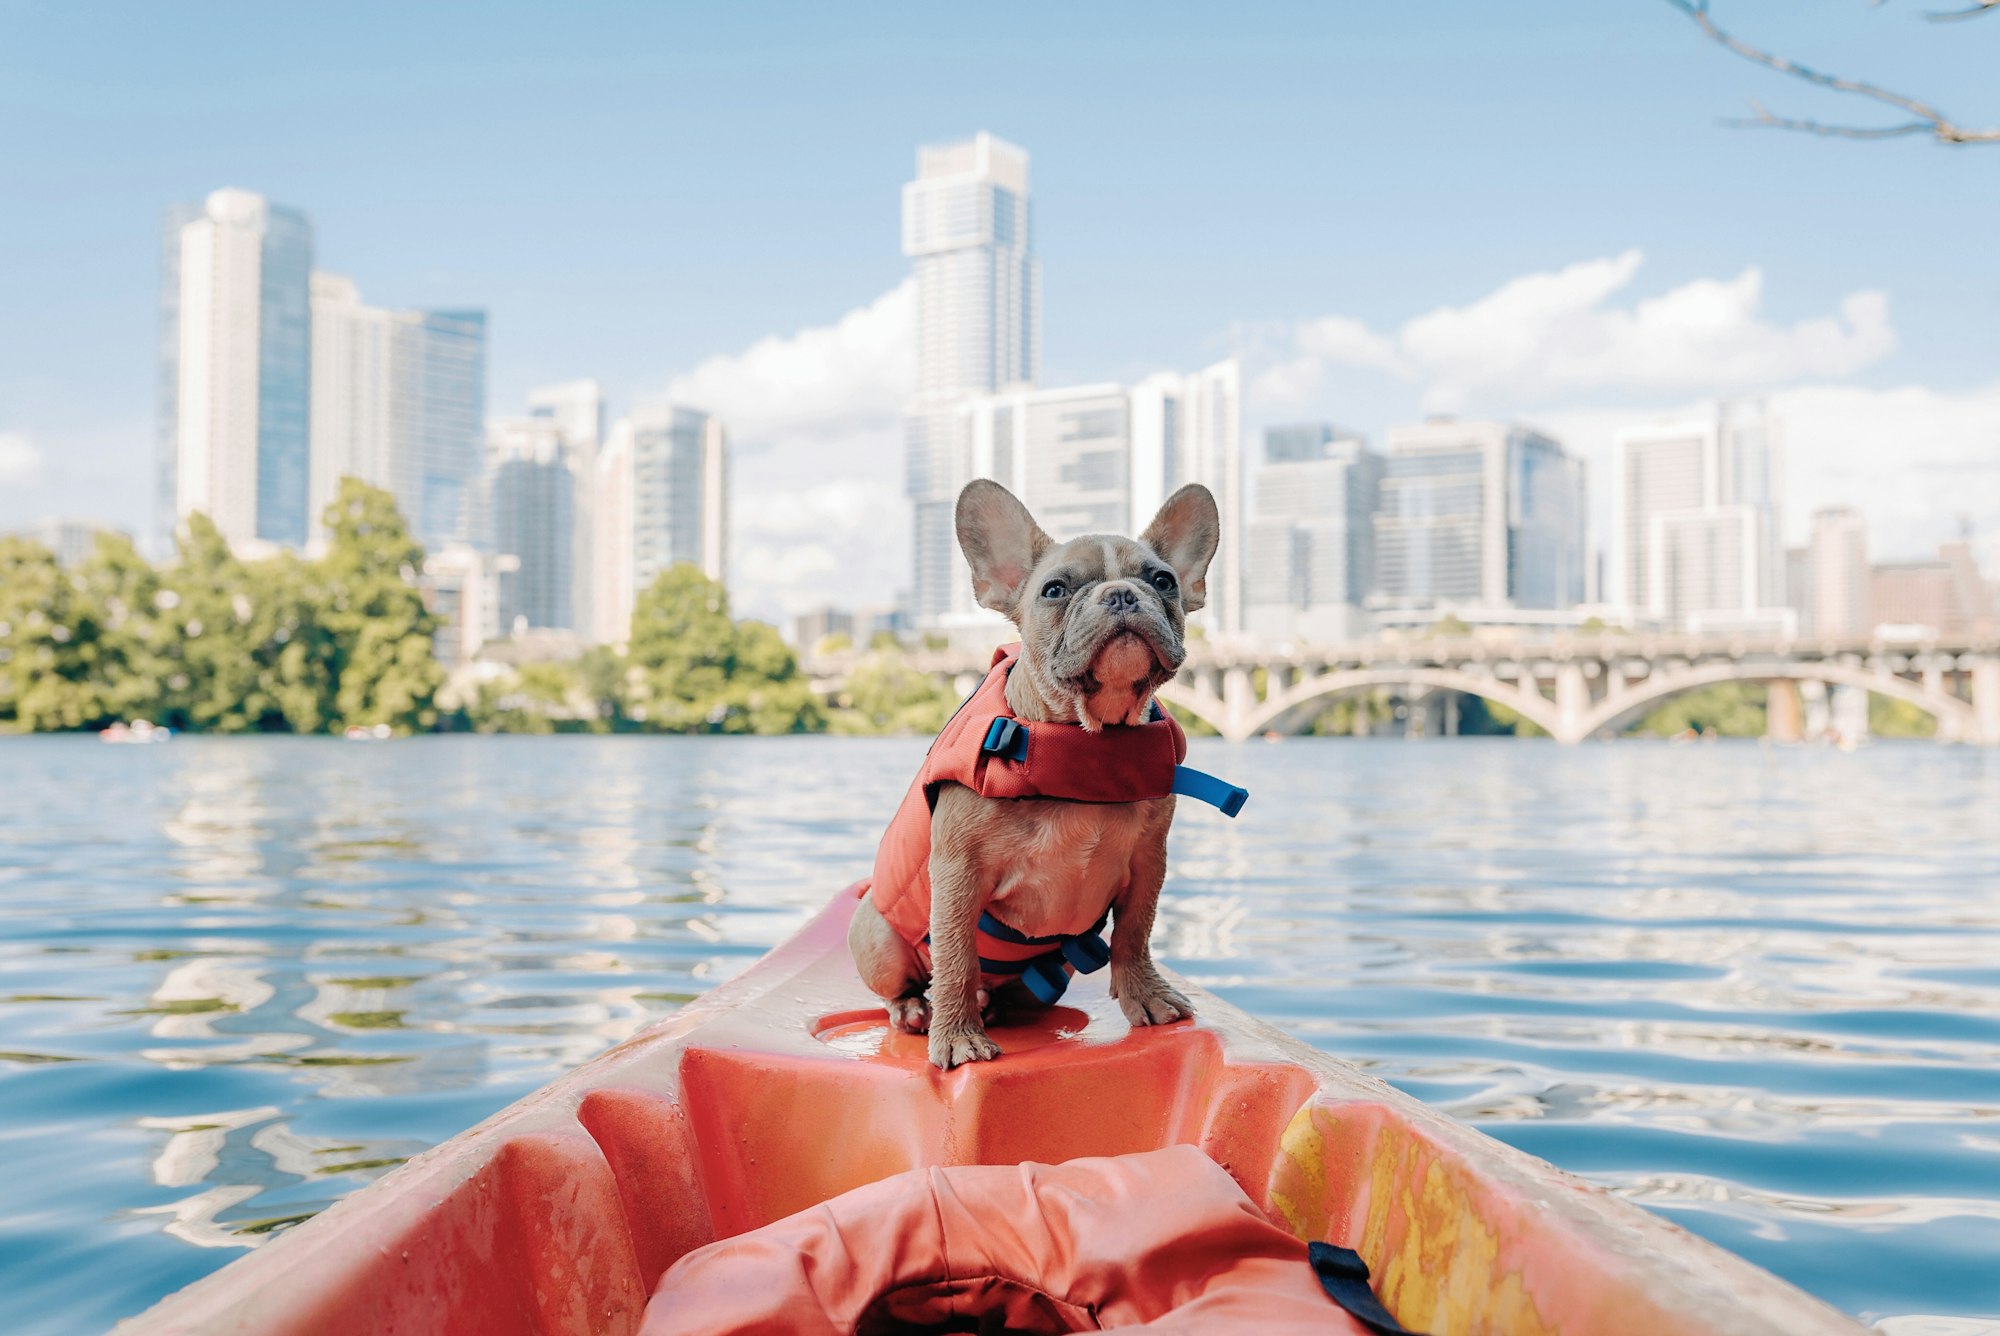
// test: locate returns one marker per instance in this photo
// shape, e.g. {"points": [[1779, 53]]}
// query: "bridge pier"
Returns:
{"points": [[1986, 700], [1784, 713], [1572, 700], [1239, 701]]}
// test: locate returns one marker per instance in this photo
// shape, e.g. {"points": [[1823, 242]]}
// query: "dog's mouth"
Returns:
{"points": [[1121, 678], [1125, 659]]}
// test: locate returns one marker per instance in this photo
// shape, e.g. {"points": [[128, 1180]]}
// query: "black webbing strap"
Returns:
{"points": [[1344, 1277]]}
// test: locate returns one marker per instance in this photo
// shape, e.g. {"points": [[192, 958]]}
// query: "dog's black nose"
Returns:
{"points": [[1120, 598]]}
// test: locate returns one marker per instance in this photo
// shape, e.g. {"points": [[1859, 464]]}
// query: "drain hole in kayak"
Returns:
{"points": [[866, 1034]]}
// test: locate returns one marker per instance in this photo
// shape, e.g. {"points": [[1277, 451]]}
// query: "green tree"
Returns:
{"points": [[1892, 718], [380, 633], [121, 591], [46, 666], [244, 644], [694, 670], [886, 695], [1728, 709]]}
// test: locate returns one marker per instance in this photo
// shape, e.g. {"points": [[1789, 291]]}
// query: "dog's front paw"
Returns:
{"points": [[1153, 1002], [911, 1015], [951, 1048]]}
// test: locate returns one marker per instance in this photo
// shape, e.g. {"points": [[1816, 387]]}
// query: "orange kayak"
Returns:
{"points": [[785, 1088]]}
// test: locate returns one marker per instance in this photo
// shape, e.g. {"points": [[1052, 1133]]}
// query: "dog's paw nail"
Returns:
{"points": [[953, 1050], [1160, 1008], [911, 1015]]}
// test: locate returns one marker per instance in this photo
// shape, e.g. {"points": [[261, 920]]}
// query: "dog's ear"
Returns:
{"points": [[1185, 534], [1002, 543]]}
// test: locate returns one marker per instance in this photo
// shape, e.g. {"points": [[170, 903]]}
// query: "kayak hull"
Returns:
{"points": [[785, 1087]]}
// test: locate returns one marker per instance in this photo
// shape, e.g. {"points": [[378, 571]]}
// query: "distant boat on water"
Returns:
{"points": [[139, 730]]}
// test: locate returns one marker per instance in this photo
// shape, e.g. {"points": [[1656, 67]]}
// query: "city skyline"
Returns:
{"points": [[1316, 248], [1697, 539]]}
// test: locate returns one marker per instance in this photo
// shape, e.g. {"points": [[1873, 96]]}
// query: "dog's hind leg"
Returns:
{"points": [[890, 968]]}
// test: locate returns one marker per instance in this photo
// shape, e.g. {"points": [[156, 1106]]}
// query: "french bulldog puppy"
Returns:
{"points": [[1102, 622]]}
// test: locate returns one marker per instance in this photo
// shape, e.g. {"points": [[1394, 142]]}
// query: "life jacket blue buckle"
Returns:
{"points": [[1046, 979], [1005, 738], [1087, 952]]}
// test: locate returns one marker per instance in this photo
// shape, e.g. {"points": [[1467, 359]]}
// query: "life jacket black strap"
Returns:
{"points": [[1344, 1277]]}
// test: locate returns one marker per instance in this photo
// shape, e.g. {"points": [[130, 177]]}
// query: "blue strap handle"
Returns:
{"points": [[1204, 787], [1046, 978]]}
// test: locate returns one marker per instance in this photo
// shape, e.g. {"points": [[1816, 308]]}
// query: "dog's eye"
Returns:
{"points": [[1055, 589], [1163, 582]]}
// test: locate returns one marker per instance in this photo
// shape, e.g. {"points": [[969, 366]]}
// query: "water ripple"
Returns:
{"points": [[1753, 989]]}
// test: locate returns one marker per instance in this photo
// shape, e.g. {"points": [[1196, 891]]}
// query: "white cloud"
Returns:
{"points": [[1572, 352], [814, 420], [1546, 334], [861, 367], [20, 461]]}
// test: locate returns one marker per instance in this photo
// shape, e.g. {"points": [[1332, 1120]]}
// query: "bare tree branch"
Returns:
{"points": [[1925, 119], [1953, 15]]}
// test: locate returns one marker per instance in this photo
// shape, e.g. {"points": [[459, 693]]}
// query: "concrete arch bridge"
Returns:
{"points": [[1573, 687]]}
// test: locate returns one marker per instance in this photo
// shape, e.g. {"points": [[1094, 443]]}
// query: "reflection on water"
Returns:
{"points": [[1756, 990]]}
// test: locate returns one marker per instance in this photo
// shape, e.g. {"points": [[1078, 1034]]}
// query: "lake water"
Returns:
{"points": [[1755, 989]]}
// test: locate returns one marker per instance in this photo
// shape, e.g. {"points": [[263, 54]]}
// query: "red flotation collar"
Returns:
{"points": [[989, 749], [997, 754]]}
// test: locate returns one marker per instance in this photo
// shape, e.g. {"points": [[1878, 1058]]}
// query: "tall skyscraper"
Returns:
{"points": [[1311, 543], [530, 514], [1704, 568], [576, 408], [400, 403], [1189, 428], [1479, 514], [661, 498], [1297, 441], [1842, 581], [1947, 595], [1683, 486], [1100, 459], [967, 231], [235, 349], [353, 399]]}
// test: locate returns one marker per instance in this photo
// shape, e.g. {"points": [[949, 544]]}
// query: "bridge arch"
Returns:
{"points": [[1532, 706], [1954, 716]]}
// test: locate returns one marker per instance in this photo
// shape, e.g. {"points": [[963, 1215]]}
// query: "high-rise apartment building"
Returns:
{"points": [[1189, 428], [1685, 491], [1946, 595], [1311, 542], [1704, 569], [1101, 459], [660, 499], [1479, 515], [966, 229], [399, 401], [576, 408], [1297, 441], [1842, 581], [530, 513], [235, 348]]}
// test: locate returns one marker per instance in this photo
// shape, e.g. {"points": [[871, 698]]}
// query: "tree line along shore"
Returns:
{"points": [[209, 642]]}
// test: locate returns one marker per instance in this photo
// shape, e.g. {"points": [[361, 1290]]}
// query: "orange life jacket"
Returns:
{"points": [[996, 754], [1161, 1241]]}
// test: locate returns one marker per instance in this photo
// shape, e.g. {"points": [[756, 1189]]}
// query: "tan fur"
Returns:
{"points": [[1095, 655]]}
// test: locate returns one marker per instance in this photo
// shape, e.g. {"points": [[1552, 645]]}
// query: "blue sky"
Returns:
{"points": [[644, 192]]}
